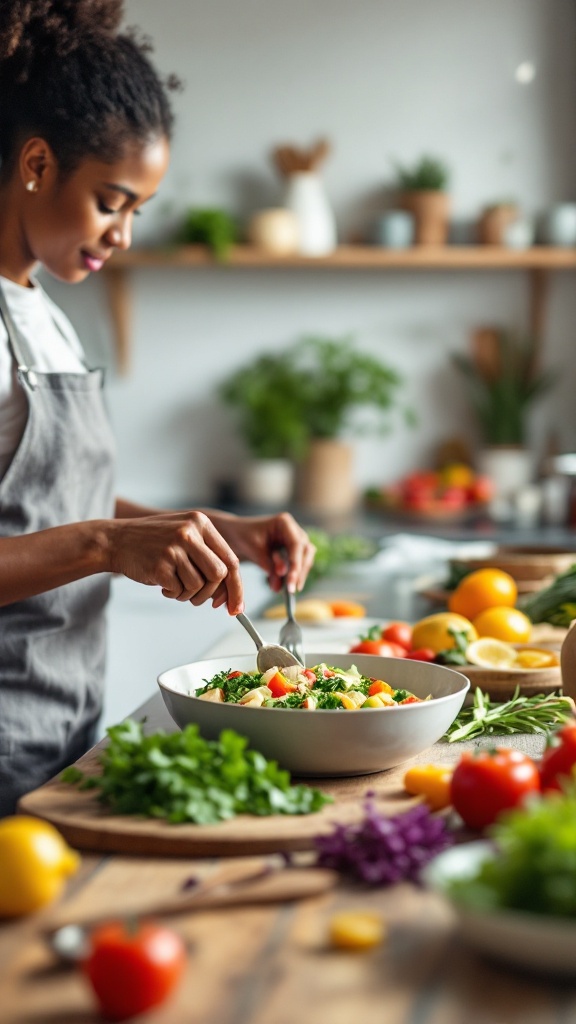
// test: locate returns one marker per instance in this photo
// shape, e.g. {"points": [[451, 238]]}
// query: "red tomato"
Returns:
{"points": [[132, 969], [234, 675], [380, 647], [422, 654], [487, 782], [398, 633], [559, 758]]}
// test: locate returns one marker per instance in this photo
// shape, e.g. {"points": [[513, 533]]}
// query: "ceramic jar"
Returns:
{"points": [[275, 230], [306, 197]]}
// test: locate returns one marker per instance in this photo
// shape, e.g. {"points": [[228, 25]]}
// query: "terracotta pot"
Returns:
{"points": [[430, 210], [493, 223], [325, 482]]}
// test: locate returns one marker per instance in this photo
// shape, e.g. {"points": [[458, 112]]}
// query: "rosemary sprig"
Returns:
{"points": [[538, 713]]}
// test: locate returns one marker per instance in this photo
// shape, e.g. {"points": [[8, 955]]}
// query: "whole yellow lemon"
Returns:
{"points": [[35, 862], [508, 624], [434, 631]]}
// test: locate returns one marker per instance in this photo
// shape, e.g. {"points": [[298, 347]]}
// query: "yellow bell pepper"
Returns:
{"points": [[432, 781]]}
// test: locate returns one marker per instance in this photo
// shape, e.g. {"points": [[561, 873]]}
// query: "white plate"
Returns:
{"points": [[531, 941], [329, 743]]}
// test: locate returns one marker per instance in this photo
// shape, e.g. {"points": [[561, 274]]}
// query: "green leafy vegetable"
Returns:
{"points": [[534, 866], [519, 714], [183, 777], [555, 604], [332, 552], [212, 227]]}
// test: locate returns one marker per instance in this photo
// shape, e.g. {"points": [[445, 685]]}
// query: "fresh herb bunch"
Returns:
{"points": [[428, 175], [532, 868], [536, 714], [455, 655], [212, 227], [183, 777], [555, 604]]}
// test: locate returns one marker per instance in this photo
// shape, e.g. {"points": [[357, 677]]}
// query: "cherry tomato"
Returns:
{"points": [[422, 654], [132, 969], [489, 781], [398, 633], [380, 647], [559, 758]]}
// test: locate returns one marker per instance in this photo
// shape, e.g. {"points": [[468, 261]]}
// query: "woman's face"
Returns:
{"points": [[73, 224]]}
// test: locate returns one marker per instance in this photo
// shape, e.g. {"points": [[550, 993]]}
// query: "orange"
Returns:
{"points": [[504, 623], [484, 588]]}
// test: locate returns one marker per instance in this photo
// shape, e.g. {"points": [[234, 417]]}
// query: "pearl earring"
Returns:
{"points": [[32, 186]]}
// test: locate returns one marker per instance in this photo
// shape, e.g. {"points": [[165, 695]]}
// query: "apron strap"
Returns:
{"points": [[18, 345]]}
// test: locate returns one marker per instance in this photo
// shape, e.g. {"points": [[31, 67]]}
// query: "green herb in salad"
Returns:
{"points": [[183, 777], [536, 714], [319, 688], [533, 868]]}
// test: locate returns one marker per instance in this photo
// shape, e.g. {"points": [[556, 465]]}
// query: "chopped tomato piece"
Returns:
{"points": [[234, 675], [310, 675], [280, 686], [379, 686], [410, 700]]}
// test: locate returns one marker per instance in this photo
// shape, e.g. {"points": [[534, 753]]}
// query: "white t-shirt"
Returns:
{"points": [[56, 349]]}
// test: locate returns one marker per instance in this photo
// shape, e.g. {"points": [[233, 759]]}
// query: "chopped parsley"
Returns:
{"points": [[183, 777]]}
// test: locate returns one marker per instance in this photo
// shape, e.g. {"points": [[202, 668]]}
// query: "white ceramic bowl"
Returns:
{"points": [[326, 742], [530, 941]]}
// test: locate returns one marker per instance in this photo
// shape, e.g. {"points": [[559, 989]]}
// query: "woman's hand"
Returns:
{"points": [[276, 543], [183, 553]]}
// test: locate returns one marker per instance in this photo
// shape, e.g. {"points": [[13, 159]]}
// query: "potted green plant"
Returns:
{"points": [[423, 190], [296, 404], [209, 226], [504, 384], [266, 399]]}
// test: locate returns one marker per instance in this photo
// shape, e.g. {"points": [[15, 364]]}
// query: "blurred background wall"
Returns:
{"points": [[384, 81]]}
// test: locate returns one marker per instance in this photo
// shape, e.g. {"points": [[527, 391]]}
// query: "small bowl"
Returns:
{"points": [[326, 743], [533, 942]]}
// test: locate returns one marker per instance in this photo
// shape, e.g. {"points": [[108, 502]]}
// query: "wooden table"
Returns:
{"points": [[273, 965]]}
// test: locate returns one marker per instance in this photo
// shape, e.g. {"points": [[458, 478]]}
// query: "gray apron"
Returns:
{"points": [[52, 647]]}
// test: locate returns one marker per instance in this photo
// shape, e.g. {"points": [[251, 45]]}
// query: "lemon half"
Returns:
{"points": [[491, 653]]}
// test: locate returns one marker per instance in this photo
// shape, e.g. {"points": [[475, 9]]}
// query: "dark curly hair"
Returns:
{"points": [[68, 75]]}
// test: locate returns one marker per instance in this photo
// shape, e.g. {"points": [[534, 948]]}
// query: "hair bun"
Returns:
{"points": [[31, 28]]}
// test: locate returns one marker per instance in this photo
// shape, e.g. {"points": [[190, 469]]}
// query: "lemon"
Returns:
{"points": [[35, 862], [434, 631], [491, 653], [310, 609]]}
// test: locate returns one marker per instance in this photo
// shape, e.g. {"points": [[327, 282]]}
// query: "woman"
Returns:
{"points": [[85, 124]]}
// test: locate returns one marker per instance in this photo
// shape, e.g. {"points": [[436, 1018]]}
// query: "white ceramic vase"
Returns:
{"points": [[306, 197], [267, 482], [510, 467]]}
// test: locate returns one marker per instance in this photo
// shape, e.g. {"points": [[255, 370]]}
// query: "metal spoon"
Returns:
{"points": [[269, 655]]}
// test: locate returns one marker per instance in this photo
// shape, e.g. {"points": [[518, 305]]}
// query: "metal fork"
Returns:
{"points": [[291, 633]]}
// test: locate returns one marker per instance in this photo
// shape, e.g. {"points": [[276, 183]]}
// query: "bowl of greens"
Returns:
{"points": [[347, 715], [514, 895]]}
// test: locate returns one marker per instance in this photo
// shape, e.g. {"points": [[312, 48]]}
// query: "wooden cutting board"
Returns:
{"points": [[87, 825]]}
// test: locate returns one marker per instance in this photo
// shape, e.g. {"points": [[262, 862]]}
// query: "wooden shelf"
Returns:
{"points": [[361, 257], [537, 260]]}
